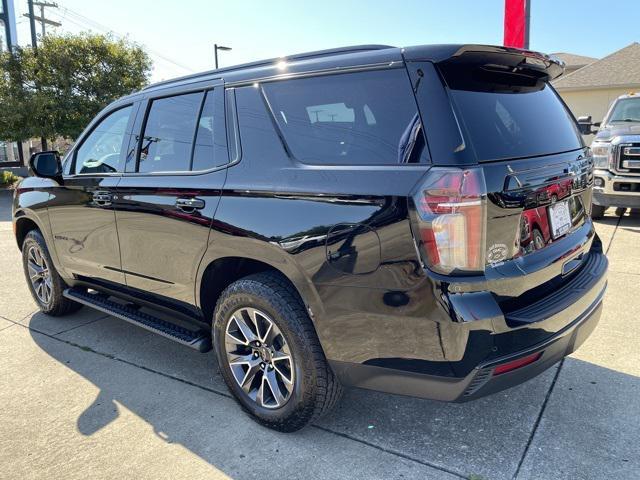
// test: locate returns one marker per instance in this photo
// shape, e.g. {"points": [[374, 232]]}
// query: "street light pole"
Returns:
{"points": [[217, 47]]}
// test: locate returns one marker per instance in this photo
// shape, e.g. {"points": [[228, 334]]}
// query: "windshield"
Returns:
{"points": [[626, 110]]}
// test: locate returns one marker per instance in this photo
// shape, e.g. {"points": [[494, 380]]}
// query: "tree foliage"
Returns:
{"points": [[72, 77]]}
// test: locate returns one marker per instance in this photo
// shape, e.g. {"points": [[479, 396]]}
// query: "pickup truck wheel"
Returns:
{"points": [[45, 284], [597, 211], [269, 354]]}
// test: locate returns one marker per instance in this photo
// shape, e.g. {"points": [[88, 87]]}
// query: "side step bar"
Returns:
{"points": [[200, 340]]}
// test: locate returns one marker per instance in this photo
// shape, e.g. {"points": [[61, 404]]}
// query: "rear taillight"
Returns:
{"points": [[450, 222]]}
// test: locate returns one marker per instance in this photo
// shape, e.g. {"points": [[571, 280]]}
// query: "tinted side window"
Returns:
{"points": [[169, 132], [100, 150], [356, 118], [210, 148]]}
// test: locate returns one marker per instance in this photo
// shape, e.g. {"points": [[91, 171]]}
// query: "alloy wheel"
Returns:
{"points": [[39, 274], [259, 357]]}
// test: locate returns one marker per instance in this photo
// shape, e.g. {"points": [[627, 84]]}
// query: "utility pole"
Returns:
{"points": [[8, 19], [42, 19], [34, 39], [32, 23], [217, 47]]}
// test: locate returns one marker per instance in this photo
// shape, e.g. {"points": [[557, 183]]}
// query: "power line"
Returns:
{"points": [[42, 19], [82, 21]]}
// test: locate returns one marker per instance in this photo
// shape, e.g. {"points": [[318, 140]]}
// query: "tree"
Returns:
{"points": [[72, 77]]}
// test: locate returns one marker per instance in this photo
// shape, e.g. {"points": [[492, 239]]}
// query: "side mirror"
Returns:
{"points": [[585, 125], [46, 164]]}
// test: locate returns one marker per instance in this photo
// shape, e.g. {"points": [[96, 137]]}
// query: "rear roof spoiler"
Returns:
{"points": [[515, 60]]}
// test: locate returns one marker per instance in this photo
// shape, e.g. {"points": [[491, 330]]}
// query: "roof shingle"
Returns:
{"points": [[621, 68], [573, 60]]}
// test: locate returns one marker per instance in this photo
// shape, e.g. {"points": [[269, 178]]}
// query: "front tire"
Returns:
{"points": [[45, 284], [258, 322]]}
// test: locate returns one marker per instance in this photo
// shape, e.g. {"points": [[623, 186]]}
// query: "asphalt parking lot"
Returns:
{"points": [[90, 396]]}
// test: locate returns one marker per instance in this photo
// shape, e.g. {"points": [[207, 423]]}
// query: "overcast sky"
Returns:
{"points": [[179, 35]]}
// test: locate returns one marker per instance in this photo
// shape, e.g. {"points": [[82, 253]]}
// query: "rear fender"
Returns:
{"points": [[261, 251]]}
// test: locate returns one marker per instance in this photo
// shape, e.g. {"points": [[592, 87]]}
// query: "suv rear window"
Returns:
{"points": [[513, 121], [364, 118]]}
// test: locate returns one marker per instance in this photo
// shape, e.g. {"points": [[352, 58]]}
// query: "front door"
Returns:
{"points": [[169, 194], [81, 212]]}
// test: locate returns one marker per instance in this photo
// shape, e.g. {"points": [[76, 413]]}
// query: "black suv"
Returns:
{"points": [[414, 221]]}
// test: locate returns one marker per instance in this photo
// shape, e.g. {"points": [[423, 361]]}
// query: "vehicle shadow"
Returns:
{"points": [[608, 220], [631, 222], [186, 403]]}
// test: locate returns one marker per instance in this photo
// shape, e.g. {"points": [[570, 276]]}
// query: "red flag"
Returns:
{"points": [[515, 23]]}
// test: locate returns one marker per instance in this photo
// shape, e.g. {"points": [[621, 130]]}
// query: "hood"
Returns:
{"points": [[609, 132]]}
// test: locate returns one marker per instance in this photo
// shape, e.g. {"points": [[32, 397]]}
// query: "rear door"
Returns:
{"points": [[83, 221], [170, 191]]}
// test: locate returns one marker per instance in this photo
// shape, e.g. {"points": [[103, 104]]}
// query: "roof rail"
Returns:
{"points": [[271, 61]]}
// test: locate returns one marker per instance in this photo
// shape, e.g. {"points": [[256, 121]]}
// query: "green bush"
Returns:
{"points": [[8, 178]]}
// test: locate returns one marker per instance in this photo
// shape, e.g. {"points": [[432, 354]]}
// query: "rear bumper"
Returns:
{"points": [[484, 382], [481, 381], [552, 327]]}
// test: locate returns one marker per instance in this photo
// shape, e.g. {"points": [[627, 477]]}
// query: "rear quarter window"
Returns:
{"points": [[364, 118]]}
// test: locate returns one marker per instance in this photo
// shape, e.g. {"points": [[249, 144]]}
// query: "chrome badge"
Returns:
{"points": [[497, 253]]}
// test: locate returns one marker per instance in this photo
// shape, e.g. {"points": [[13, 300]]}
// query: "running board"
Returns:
{"points": [[197, 340]]}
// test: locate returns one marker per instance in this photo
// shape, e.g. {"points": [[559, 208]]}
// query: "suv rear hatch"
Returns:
{"points": [[506, 207]]}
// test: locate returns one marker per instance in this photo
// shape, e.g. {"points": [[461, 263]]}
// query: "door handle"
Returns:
{"points": [[102, 199], [189, 205]]}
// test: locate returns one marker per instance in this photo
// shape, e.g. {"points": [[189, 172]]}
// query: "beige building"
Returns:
{"points": [[591, 88]]}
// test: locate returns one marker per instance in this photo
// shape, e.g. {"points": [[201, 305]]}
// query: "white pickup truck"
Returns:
{"points": [[616, 155]]}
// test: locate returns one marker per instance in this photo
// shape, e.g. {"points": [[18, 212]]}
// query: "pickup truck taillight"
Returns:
{"points": [[449, 225]]}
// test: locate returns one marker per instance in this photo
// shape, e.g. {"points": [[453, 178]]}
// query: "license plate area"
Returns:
{"points": [[559, 218]]}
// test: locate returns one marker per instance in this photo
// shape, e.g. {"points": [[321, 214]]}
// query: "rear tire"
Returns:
{"points": [[597, 211], [45, 284], [269, 303]]}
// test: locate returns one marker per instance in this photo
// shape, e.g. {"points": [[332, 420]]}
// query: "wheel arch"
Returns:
{"points": [[22, 226], [25, 220], [216, 274]]}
